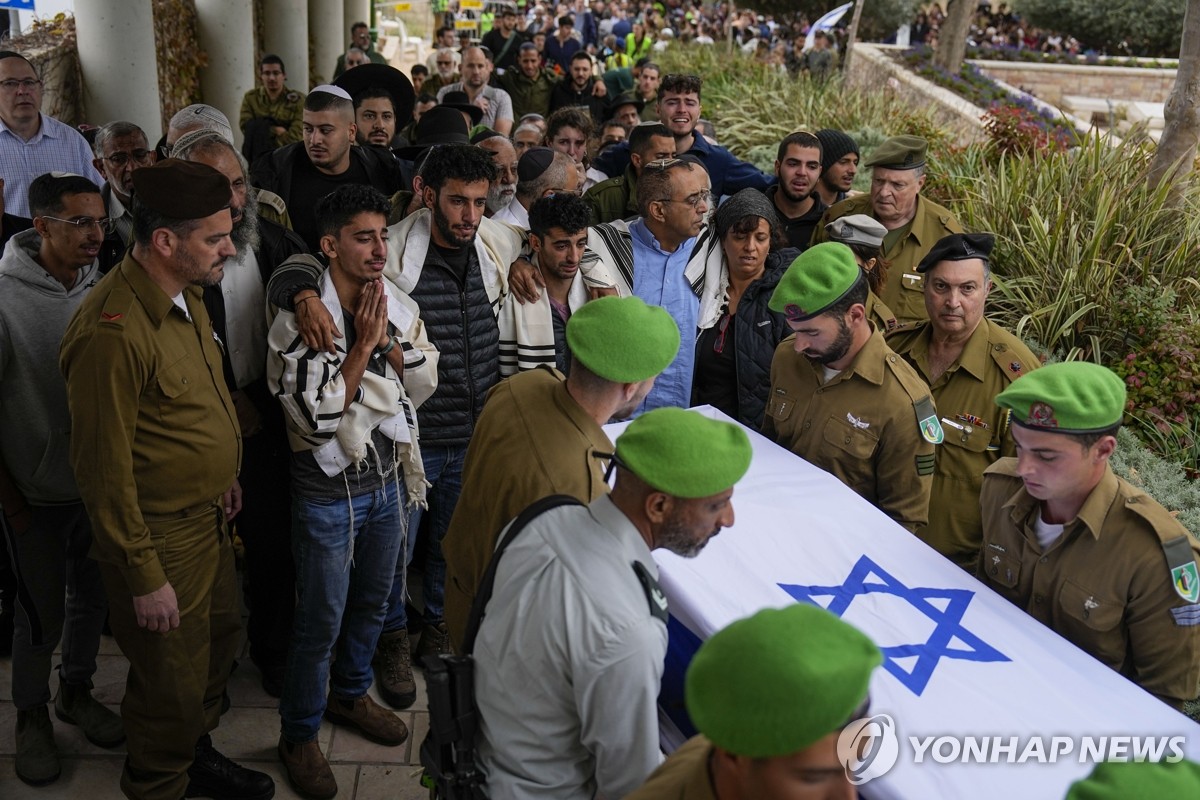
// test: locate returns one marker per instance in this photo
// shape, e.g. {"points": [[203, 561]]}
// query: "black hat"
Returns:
{"points": [[625, 99], [534, 163], [460, 101], [834, 145], [956, 247], [182, 189], [438, 125], [382, 76], [485, 134]]}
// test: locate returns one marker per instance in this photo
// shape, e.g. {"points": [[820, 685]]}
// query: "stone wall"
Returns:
{"points": [[872, 67], [1049, 82]]}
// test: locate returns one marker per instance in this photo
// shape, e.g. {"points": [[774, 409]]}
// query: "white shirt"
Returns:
{"points": [[1047, 533], [514, 214], [245, 322], [569, 659]]}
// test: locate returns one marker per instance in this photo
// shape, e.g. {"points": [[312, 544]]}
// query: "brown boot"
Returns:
{"points": [[376, 722], [393, 670], [435, 640], [307, 769]]}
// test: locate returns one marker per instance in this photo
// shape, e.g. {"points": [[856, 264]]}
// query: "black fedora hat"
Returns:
{"points": [[626, 99], [462, 102], [438, 125], [382, 76]]}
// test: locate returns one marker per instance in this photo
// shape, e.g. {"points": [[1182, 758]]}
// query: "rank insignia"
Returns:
{"points": [[1015, 366], [971, 419], [107, 317]]}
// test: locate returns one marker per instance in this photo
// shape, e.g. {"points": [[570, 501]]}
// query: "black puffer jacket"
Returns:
{"points": [[460, 322]]}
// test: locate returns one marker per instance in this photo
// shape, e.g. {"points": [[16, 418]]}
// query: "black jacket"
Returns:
{"points": [[563, 95], [274, 170]]}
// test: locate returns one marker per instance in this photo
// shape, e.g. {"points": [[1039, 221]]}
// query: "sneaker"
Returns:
{"points": [[435, 640], [37, 757], [75, 705], [376, 722], [213, 775], [307, 769], [393, 670]]}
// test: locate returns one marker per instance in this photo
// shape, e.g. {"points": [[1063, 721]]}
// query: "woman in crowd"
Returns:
{"points": [[864, 236]]}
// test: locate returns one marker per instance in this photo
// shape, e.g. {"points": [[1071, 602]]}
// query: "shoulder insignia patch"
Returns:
{"points": [[1185, 578], [925, 464], [927, 421], [654, 592], [293, 97]]}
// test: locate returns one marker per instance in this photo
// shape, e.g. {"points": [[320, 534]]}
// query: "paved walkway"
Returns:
{"points": [[248, 734]]}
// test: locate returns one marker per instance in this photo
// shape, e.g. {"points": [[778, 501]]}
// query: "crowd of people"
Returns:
{"points": [[420, 298]]}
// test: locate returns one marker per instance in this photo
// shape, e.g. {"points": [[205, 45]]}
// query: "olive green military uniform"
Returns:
{"points": [[683, 776], [649, 112], [879, 313], [529, 95], [904, 291], [863, 426], [977, 430], [614, 199], [532, 441], [434, 82], [155, 443], [287, 110], [1105, 584]]}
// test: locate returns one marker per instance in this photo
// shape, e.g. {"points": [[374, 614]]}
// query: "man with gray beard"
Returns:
{"points": [[504, 156], [236, 306]]}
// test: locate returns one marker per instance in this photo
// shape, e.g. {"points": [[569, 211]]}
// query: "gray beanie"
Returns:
{"points": [[746, 203]]}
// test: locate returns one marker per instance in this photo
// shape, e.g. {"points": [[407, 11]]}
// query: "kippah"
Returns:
{"points": [[684, 453], [774, 683], [1070, 397], [181, 189], [211, 118], [621, 339], [329, 88], [958, 247], [534, 163], [1138, 780]]}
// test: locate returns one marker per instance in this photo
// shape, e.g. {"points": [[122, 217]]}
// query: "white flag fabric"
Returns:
{"points": [[959, 660], [826, 23]]}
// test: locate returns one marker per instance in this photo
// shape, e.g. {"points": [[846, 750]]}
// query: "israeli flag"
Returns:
{"points": [[17, 5], [959, 660], [826, 23]]}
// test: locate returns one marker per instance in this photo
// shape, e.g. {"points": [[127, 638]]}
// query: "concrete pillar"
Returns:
{"points": [[117, 57], [325, 29], [227, 34], [285, 33], [354, 11]]}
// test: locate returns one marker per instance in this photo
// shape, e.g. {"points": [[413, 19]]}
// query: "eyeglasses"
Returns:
{"points": [[105, 224], [693, 200], [12, 84], [719, 342], [120, 159]]}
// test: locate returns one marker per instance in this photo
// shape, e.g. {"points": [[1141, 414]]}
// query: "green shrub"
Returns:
{"points": [[1128, 27], [1161, 479]]}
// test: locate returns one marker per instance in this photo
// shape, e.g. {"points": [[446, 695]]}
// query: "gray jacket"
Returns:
{"points": [[35, 426]]}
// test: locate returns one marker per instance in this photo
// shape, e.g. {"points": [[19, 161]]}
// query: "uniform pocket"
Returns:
{"points": [[910, 300], [975, 440], [780, 406], [174, 383], [858, 442], [1090, 610], [1001, 569]]}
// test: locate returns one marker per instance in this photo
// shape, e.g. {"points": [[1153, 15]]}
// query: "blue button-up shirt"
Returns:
{"points": [[659, 280]]}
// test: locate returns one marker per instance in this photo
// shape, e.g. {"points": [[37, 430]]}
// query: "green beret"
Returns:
{"points": [[182, 189], [1138, 780], [684, 453], [773, 684], [1072, 397], [958, 247], [899, 152], [623, 340], [819, 277]]}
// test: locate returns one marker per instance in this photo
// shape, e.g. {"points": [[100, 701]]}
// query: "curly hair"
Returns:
{"points": [[457, 162], [570, 212], [335, 210]]}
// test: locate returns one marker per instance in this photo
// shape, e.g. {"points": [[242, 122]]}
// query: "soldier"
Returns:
{"points": [[1082, 551], [840, 398], [769, 725], [914, 223], [966, 360], [577, 604], [155, 446], [272, 108]]}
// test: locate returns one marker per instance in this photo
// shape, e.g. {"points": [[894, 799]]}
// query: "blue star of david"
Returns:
{"points": [[930, 653]]}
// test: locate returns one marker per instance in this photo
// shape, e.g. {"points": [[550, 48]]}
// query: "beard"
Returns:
{"points": [[500, 195], [838, 348], [245, 234], [443, 225], [679, 538], [196, 273]]}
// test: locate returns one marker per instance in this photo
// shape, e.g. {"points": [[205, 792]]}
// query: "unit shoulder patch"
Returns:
{"points": [[654, 593]]}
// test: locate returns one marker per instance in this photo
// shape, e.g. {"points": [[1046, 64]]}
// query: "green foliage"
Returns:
{"points": [[1116, 27], [1158, 477]]}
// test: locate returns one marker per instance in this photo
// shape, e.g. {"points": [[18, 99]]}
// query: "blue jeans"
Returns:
{"points": [[340, 603], [443, 469]]}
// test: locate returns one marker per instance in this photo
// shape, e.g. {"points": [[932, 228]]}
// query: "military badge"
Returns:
{"points": [[794, 312], [1015, 366], [1186, 581], [1041, 415]]}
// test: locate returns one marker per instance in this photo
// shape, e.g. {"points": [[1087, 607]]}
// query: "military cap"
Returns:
{"points": [[774, 683], [1138, 780], [533, 163], [818, 278], [899, 152], [1071, 397], [684, 453], [857, 229], [386, 77], [181, 189], [958, 247], [621, 339]]}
